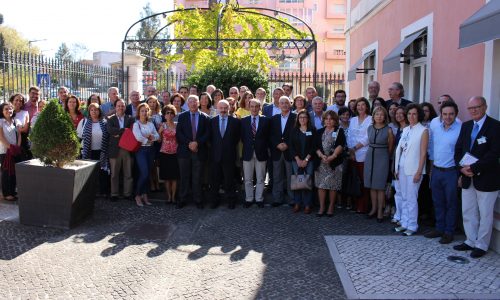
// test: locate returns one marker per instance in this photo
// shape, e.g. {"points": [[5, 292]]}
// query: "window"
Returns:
{"points": [[338, 29], [291, 1], [415, 59], [289, 65], [254, 1], [306, 14]]}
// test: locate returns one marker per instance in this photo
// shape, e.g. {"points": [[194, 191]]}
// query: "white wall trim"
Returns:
{"points": [[488, 73], [347, 62], [424, 22]]}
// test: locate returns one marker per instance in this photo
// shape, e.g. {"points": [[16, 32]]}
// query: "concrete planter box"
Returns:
{"points": [[56, 197]]}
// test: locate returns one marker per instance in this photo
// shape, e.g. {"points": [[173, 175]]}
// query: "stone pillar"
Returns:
{"points": [[133, 61]]}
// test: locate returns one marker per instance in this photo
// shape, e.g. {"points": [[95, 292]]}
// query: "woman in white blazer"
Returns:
{"points": [[409, 166]]}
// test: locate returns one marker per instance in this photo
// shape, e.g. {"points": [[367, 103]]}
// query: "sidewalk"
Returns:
{"points": [[160, 252]]}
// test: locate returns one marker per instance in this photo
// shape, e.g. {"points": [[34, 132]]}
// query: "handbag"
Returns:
{"points": [[301, 182], [128, 141]]}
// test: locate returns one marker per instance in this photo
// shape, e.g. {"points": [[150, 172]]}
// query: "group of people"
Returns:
{"points": [[368, 155]]}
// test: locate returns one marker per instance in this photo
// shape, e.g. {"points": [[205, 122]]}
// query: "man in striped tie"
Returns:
{"points": [[254, 136]]}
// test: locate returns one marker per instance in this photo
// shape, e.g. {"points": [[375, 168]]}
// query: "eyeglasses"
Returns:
{"points": [[475, 107]]}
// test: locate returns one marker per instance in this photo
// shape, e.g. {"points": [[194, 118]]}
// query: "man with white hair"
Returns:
{"points": [[210, 89], [281, 125], [108, 108], [317, 112]]}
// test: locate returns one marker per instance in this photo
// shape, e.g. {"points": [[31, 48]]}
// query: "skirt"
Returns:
{"points": [[169, 167]]}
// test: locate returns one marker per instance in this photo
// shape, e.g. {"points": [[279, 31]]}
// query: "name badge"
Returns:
{"points": [[308, 133], [334, 135], [481, 140]]}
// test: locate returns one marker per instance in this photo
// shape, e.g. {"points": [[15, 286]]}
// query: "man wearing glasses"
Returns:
{"points": [[477, 154]]}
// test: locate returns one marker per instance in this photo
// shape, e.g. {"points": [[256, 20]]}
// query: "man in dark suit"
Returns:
{"points": [[224, 138], [135, 100], [119, 159], [273, 109], [480, 181], [255, 136], [281, 125], [192, 136], [396, 94]]}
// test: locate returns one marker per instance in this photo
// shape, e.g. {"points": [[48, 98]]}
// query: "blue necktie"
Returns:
{"points": [[222, 127], [473, 136]]}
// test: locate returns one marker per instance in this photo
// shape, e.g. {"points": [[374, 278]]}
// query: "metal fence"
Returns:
{"points": [[19, 71], [325, 83]]}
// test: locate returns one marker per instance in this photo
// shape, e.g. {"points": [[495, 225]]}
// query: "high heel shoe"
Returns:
{"points": [[380, 220], [138, 201], [370, 216], [320, 214], [145, 200]]}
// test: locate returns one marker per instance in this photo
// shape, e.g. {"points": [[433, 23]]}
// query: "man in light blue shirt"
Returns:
{"points": [[444, 178], [317, 113]]}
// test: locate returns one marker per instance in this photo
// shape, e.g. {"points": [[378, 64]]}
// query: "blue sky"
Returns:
{"points": [[99, 25]]}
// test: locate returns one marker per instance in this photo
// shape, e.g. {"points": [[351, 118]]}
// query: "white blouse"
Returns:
{"points": [[22, 116], [96, 134], [142, 131], [10, 134], [358, 133]]}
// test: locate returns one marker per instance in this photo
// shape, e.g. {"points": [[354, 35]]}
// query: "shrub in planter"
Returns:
{"points": [[53, 138], [55, 190]]}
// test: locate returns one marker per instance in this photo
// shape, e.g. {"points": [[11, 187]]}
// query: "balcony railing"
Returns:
{"points": [[336, 54]]}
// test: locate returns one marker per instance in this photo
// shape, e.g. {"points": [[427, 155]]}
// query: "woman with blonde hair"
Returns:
{"points": [[244, 105]]}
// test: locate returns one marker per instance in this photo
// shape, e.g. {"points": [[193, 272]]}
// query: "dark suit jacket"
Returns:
{"points": [[277, 137], [128, 110], [403, 102], [318, 145], [261, 142], [487, 169], [296, 143], [184, 135], [224, 148], [268, 110], [115, 133]]}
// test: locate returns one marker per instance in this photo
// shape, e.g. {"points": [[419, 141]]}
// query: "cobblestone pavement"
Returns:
{"points": [[159, 252], [399, 267]]}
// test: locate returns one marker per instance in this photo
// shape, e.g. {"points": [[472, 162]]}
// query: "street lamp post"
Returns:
{"points": [[33, 41]]}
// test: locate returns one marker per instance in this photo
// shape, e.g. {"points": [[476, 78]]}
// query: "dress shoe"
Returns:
{"points": [[247, 204], [477, 253], [380, 220], [399, 229], [394, 221], [463, 247], [260, 204], [179, 204], [276, 204], [446, 239], [408, 232], [307, 210], [231, 206], [433, 234], [199, 205], [329, 215], [296, 208], [114, 198]]}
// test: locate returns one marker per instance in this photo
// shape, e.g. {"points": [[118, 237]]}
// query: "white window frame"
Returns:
{"points": [[407, 70], [366, 78]]}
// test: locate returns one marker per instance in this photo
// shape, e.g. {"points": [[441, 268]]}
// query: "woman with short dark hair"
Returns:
{"points": [[169, 165], [72, 107], [23, 120], [411, 154], [10, 142]]}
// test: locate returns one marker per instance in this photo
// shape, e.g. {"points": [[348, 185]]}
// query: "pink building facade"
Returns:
{"points": [[326, 18], [417, 43]]}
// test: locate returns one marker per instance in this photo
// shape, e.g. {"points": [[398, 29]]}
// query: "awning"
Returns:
{"points": [[392, 60], [351, 75], [482, 26]]}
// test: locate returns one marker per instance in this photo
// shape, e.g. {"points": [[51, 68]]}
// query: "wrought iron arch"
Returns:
{"points": [[308, 45]]}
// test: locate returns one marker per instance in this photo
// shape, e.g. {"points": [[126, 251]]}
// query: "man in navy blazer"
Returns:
{"points": [[192, 150], [274, 108], [396, 94], [279, 141], [480, 180], [254, 136], [224, 138]]}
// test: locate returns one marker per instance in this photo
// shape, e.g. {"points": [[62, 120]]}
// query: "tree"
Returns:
{"points": [[201, 24], [64, 53], [78, 51], [148, 29], [13, 40]]}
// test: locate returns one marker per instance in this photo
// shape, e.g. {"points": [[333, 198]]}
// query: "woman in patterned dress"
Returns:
{"points": [[330, 141], [169, 166]]}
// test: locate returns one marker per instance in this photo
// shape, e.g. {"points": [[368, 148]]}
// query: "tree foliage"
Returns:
{"points": [[53, 138], [147, 30], [225, 76], [64, 53], [202, 24], [13, 40]]}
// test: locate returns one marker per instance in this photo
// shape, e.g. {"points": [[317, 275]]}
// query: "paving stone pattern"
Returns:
{"points": [[398, 266]]}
